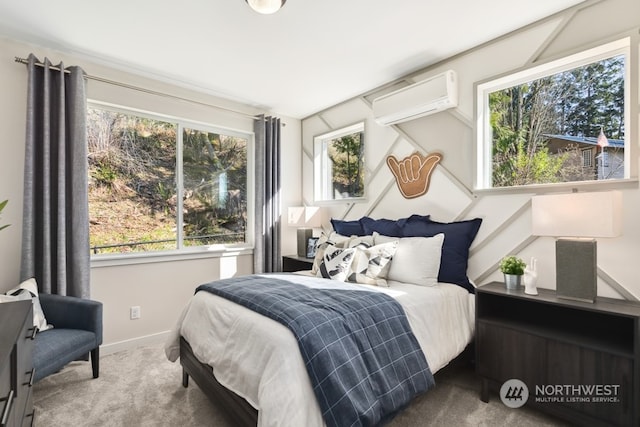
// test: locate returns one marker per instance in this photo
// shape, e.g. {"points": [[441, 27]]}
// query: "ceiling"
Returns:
{"points": [[310, 55]]}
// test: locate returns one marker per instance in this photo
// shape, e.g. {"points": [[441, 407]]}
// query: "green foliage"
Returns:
{"points": [[2, 205], [512, 265], [104, 173], [347, 154], [575, 102]]}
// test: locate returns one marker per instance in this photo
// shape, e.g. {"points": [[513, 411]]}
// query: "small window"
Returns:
{"points": [[587, 158], [339, 164], [541, 125], [149, 174]]}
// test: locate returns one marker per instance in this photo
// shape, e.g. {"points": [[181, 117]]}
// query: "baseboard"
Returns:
{"points": [[154, 339]]}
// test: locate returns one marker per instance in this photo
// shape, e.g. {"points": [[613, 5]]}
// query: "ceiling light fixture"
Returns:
{"points": [[266, 7]]}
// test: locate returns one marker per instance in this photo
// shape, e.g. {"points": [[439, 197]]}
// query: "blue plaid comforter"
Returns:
{"points": [[363, 360]]}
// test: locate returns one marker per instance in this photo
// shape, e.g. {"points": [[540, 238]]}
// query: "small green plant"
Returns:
{"points": [[105, 174], [2, 205], [512, 265]]}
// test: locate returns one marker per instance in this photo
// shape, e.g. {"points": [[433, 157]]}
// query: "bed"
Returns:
{"points": [[251, 365]]}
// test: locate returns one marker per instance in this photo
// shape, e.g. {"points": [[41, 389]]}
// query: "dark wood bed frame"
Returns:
{"points": [[235, 408]]}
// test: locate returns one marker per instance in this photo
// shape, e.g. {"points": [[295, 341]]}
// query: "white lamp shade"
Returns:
{"points": [[577, 214], [304, 216]]}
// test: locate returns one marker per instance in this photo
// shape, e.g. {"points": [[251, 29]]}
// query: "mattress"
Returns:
{"points": [[258, 358]]}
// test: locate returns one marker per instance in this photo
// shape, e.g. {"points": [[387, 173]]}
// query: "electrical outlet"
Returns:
{"points": [[135, 312]]}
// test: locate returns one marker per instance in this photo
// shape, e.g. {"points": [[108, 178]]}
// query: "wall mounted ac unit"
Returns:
{"points": [[420, 99]]}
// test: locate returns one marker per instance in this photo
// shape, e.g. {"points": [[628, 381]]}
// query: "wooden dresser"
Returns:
{"points": [[16, 363]]}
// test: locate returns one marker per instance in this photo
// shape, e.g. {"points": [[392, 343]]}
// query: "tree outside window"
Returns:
{"points": [[339, 164], [547, 129]]}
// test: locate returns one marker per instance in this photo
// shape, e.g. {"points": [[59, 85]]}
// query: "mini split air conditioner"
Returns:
{"points": [[420, 99]]}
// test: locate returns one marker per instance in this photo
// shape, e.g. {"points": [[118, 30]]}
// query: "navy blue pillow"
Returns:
{"points": [[387, 227], [458, 237], [347, 228], [413, 226]]}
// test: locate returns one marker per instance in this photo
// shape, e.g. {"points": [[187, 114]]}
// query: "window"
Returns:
{"points": [[541, 125], [339, 164], [587, 158], [150, 173]]}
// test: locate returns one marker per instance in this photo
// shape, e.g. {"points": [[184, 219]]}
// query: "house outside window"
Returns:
{"points": [[162, 184], [542, 125]]}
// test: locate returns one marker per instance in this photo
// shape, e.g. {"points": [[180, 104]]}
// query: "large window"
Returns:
{"points": [[544, 125], [339, 164], [159, 184]]}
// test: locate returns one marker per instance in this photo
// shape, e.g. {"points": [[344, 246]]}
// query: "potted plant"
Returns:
{"points": [[513, 269]]}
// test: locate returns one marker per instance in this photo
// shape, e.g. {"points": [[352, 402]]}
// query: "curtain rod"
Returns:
{"points": [[141, 89]]}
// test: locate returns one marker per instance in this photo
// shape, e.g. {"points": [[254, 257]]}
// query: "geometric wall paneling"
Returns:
{"points": [[307, 180], [445, 134], [609, 287], [446, 198], [498, 227], [573, 33], [312, 127], [511, 238], [506, 226], [380, 142], [501, 210], [395, 206], [347, 113]]}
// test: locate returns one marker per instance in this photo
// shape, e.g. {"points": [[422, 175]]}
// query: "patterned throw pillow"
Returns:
{"points": [[336, 263], [371, 264], [29, 290], [324, 241], [337, 240]]}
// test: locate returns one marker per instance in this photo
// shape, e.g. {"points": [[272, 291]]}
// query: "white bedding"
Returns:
{"points": [[258, 358]]}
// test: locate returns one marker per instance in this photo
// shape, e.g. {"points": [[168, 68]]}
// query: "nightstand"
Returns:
{"points": [[580, 361], [296, 263]]}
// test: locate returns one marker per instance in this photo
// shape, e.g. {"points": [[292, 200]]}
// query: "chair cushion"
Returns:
{"points": [[55, 348]]}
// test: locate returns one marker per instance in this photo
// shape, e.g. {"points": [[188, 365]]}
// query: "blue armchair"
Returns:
{"points": [[77, 332]]}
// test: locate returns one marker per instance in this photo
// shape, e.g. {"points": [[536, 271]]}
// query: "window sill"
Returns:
{"points": [[111, 260], [612, 184]]}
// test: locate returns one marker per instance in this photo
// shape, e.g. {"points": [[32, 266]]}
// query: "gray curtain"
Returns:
{"points": [[267, 254], [55, 229]]}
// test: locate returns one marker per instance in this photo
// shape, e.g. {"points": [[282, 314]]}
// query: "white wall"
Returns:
{"points": [[506, 215], [161, 288]]}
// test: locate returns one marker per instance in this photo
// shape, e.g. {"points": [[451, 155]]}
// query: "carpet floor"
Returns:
{"points": [[140, 387]]}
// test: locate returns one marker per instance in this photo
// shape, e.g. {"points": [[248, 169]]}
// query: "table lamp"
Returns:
{"points": [[305, 218], [576, 219]]}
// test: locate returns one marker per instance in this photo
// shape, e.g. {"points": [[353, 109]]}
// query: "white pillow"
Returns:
{"points": [[29, 289], [417, 260], [336, 263], [371, 264]]}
